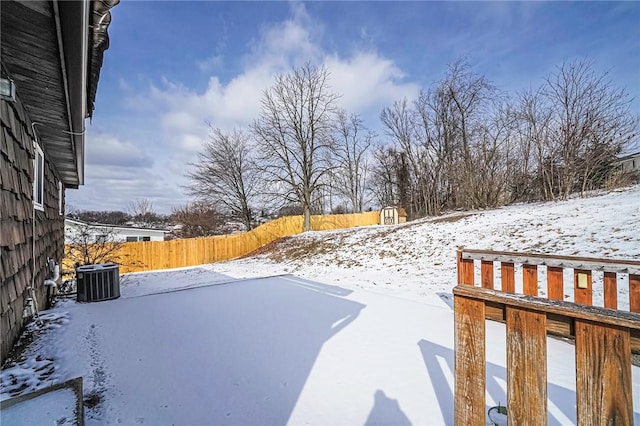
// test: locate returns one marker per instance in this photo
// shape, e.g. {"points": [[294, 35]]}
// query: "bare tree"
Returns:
{"points": [[464, 144], [198, 219], [577, 124], [351, 155], [431, 138], [293, 132], [226, 174], [494, 157], [87, 244], [142, 211], [535, 144], [383, 183], [592, 123], [469, 97], [399, 122], [446, 149], [140, 207]]}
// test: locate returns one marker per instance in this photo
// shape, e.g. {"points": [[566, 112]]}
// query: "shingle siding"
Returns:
{"points": [[18, 253]]}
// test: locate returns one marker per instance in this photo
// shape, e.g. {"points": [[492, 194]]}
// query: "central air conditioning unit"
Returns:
{"points": [[98, 282]]}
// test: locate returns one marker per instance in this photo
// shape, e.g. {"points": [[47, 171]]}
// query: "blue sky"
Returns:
{"points": [[174, 66]]}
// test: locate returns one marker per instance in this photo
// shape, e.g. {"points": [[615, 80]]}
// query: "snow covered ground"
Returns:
{"points": [[418, 258], [58, 405], [279, 350], [359, 330]]}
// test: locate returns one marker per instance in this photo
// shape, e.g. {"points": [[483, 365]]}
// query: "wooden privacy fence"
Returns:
{"points": [[602, 356], [604, 336], [153, 255]]}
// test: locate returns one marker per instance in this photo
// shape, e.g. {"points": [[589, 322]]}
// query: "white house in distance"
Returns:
{"points": [[630, 163], [120, 233]]}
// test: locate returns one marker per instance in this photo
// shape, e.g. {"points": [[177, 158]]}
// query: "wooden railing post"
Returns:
{"points": [[470, 359], [604, 388], [526, 366], [603, 374]]}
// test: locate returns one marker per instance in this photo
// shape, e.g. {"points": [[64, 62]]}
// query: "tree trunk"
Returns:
{"points": [[306, 225]]}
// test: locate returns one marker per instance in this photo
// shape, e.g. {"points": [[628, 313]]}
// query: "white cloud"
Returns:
{"points": [[293, 41], [211, 63], [109, 187], [191, 142], [106, 149], [367, 81], [119, 171]]}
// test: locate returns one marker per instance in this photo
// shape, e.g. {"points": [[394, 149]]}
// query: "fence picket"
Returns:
{"points": [[634, 293], [530, 280], [584, 295], [610, 290], [486, 274], [526, 366], [508, 276], [555, 283]]}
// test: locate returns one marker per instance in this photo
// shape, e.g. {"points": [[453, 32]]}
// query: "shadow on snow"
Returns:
{"points": [[230, 354]]}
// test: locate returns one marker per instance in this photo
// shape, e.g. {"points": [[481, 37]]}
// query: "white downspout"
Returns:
{"points": [[55, 271]]}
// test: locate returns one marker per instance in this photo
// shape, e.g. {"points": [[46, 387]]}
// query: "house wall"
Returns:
{"points": [[23, 262], [117, 232], [631, 164], [154, 235]]}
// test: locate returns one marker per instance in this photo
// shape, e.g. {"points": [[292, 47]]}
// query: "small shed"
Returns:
{"points": [[393, 215]]}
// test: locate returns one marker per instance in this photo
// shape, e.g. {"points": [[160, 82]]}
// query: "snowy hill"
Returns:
{"points": [[419, 257]]}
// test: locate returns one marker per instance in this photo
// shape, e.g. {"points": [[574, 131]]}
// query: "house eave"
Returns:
{"points": [[48, 49], [628, 157]]}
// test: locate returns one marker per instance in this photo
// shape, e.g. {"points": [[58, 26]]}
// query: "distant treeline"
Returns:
{"points": [[461, 144]]}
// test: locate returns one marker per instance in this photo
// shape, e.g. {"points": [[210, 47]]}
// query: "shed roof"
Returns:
{"points": [[401, 211], [53, 51]]}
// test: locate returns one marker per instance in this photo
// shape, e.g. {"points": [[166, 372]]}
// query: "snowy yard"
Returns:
{"points": [[277, 350], [346, 327]]}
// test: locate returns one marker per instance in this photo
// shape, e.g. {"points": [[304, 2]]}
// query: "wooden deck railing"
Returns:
{"points": [[583, 268], [602, 355]]}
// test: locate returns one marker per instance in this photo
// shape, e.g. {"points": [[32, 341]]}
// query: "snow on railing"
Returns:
{"points": [[558, 271]]}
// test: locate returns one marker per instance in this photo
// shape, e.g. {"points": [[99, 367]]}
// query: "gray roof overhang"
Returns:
{"points": [[53, 51]]}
